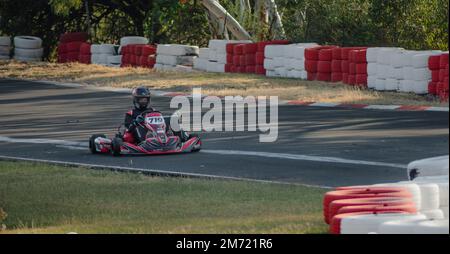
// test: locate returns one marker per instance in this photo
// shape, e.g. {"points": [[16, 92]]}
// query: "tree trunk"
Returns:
{"points": [[221, 13], [278, 24]]}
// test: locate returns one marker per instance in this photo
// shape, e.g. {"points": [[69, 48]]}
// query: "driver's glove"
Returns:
{"points": [[139, 120]]}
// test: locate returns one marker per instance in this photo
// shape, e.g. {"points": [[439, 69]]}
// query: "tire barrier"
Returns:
{"points": [[5, 47], [286, 61], [137, 55], [102, 54], [28, 48], [393, 208], [176, 57], [69, 48], [318, 62], [438, 86]]}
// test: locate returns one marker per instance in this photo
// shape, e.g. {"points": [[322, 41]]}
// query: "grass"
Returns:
{"points": [[40, 198], [211, 83]]}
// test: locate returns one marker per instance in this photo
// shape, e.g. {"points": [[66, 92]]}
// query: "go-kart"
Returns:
{"points": [[159, 138]]}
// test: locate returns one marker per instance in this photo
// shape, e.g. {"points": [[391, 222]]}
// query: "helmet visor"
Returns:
{"points": [[143, 101]]}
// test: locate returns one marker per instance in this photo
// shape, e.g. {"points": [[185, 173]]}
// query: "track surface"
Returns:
{"points": [[45, 111]]}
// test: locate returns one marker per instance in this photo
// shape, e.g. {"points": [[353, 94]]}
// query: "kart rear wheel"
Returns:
{"points": [[198, 146], [116, 146], [92, 142]]}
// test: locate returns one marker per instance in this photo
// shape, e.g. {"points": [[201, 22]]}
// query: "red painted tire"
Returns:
{"points": [[370, 192], [239, 49], [360, 56], [250, 48], [280, 42], [230, 48], [337, 54], [233, 69], [228, 68], [259, 58], [62, 48], [133, 60], [336, 205], [71, 37], [324, 67], [243, 60], [260, 70], [311, 54], [326, 55], [242, 69], [432, 88], [352, 68], [361, 68], [86, 59], [74, 46], [72, 57], [444, 60], [336, 77], [312, 76], [345, 66], [148, 50], [442, 74], [361, 79], [85, 48], [435, 75], [326, 77], [345, 78], [250, 60], [229, 59], [311, 66], [236, 60], [250, 69], [336, 66], [62, 58], [138, 50], [262, 46], [434, 62], [351, 79]]}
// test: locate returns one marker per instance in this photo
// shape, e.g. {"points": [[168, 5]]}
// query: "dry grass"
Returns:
{"points": [[212, 84]]}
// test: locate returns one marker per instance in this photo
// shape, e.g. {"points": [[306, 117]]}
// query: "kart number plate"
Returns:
{"points": [[154, 120]]}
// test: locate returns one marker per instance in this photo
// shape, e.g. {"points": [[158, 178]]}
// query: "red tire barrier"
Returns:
{"points": [[326, 55], [148, 50], [250, 48], [357, 193], [85, 48], [74, 46], [345, 66], [259, 58], [62, 48], [242, 60], [250, 69], [229, 59], [230, 48], [311, 54], [351, 79], [324, 66], [434, 62], [345, 78], [361, 79], [72, 57], [444, 60], [337, 55], [250, 60], [442, 74], [228, 68], [133, 60], [236, 60], [336, 77], [360, 56], [336, 66], [62, 58], [239, 49], [361, 68], [311, 66], [312, 76], [335, 225], [435, 76], [262, 46], [345, 52], [71, 37], [338, 204], [432, 88], [86, 59], [260, 70], [352, 68], [322, 76]]}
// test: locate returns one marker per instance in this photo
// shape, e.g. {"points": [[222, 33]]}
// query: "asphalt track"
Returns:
{"points": [[316, 146]]}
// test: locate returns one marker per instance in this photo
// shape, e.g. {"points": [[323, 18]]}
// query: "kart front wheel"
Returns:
{"points": [[92, 139], [116, 146]]}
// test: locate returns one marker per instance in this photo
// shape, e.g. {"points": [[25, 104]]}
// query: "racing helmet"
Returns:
{"points": [[141, 97]]}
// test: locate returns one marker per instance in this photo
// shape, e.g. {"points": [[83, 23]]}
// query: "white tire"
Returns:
{"points": [[398, 227], [430, 196], [5, 50], [295, 52], [407, 86], [372, 69], [30, 53], [421, 74], [204, 53], [216, 68], [201, 64], [365, 224], [100, 59], [274, 51], [443, 194], [432, 227], [269, 64], [384, 55], [382, 71], [27, 59], [177, 50], [372, 55], [114, 60], [175, 60], [430, 167], [392, 85], [407, 56], [133, 40], [407, 72], [212, 56], [412, 188], [396, 58], [5, 41], [282, 72], [278, 62], [271, 73], [421, 60], [221, 58], [27, 42], [380, 84], [436, 214], [371, 82], [445, 211], [107, 49], [421, 87], [297, 64]]}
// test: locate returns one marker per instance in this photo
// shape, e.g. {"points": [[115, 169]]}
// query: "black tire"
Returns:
{"points": [[115, 146], [200, 147], [92, 140]]}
